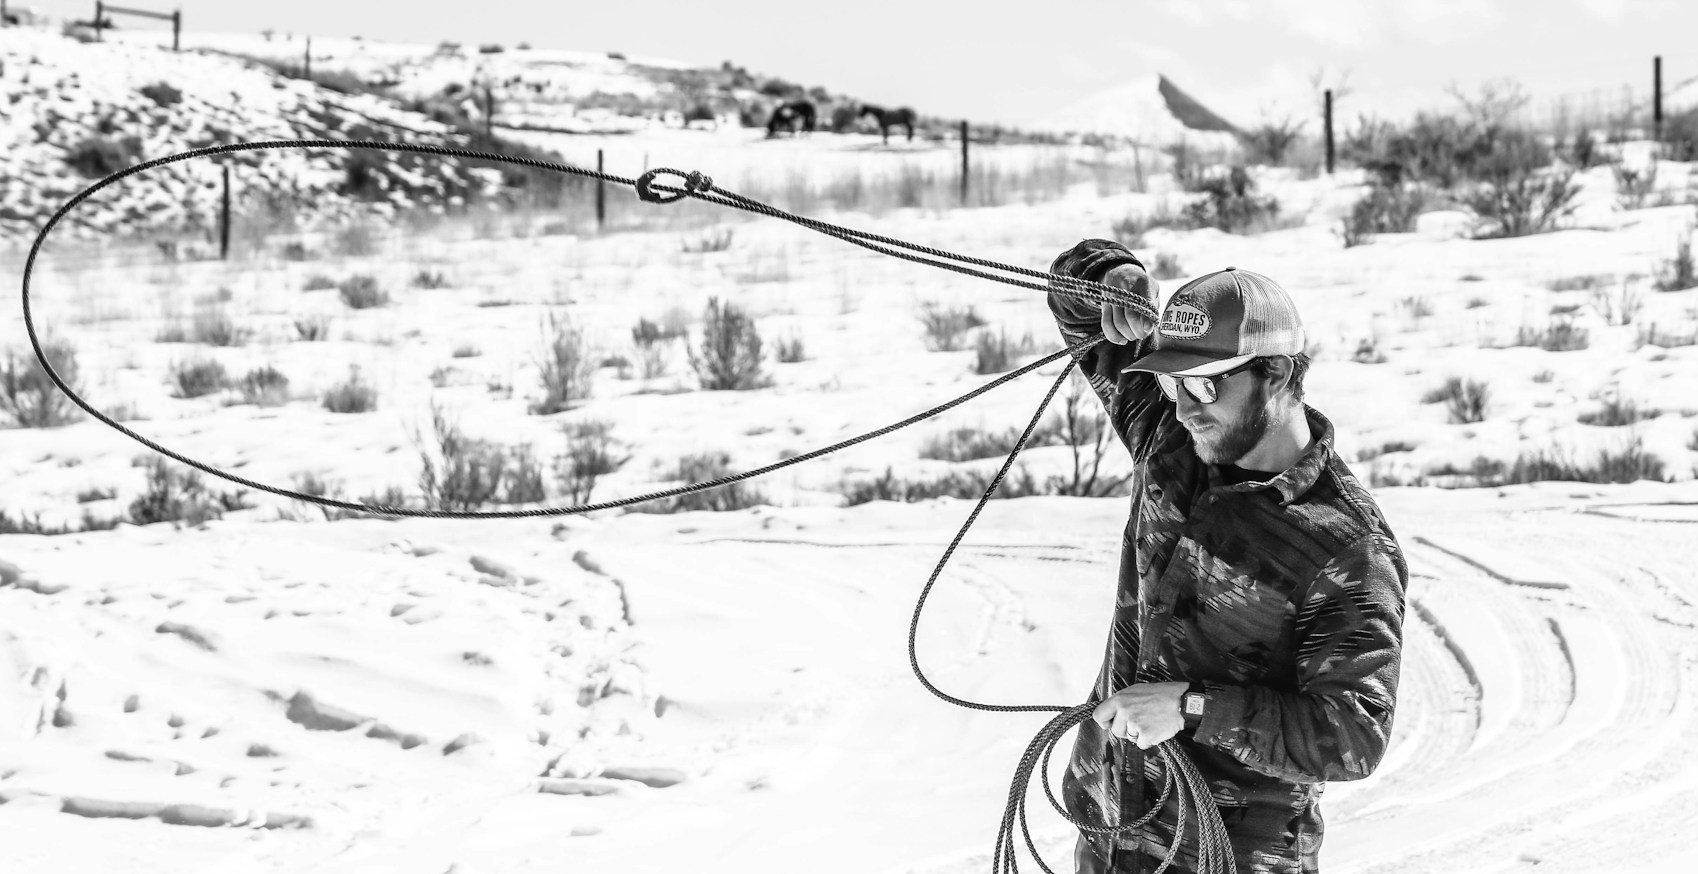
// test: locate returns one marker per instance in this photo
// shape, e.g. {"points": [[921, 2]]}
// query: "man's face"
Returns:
{"points": [[1224, 431]]}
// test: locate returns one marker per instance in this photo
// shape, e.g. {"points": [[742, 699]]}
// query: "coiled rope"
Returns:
{"points": [[1192, 791]]}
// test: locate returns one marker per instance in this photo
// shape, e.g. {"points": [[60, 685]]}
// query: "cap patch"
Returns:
{"points": [[1183, 321]]}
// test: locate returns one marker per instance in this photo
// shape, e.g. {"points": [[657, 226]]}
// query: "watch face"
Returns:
{"points": [[1194, 704]]}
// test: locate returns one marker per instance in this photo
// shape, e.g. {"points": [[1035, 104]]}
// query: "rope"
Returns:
{"points": [[1215, 853]]}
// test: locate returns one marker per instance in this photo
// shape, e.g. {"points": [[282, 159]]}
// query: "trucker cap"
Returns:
{"points": [[1221, 320]]}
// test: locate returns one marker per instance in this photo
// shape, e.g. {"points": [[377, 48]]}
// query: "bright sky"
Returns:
{"points": [[1008, 62]]}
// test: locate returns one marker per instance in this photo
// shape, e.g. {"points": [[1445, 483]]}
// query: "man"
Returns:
{"points": [[1259, 614]]}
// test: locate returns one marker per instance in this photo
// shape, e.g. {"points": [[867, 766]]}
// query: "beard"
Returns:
{"points": [[1228, 441]]}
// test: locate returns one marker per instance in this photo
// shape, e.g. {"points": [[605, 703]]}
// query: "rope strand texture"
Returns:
{"points": [[1214, 852]]}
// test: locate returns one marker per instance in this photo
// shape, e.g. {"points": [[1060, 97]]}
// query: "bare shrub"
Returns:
{"points": [[1626, 464], [1268, 142], [1165, 265], [966, 485], [1467, 401], [464, 475], [945, 328], [1230, 204], [361, 291], [1577, 283], [1679, 272], [996, 353], [97, 156], [968, 444], [174, 497], [729, 358], [1516, 194], [589, 456], [466, 351], [429, 279], [1618, 305], [716, 240], [1651, 335], [700, 468], [1385, 209], [1368, 351], [351, 396], [318, 282], [1614, 411], [193, 380], [214, 327], [356, 240], [29, 395], [1561, 335], [568, 368], [1633, 185], [1084, 427], [313, 328], [1131, 230], [265, 386], [790, 351]]}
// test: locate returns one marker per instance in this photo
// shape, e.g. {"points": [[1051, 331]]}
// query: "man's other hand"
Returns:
{"points": [[1144, 713], [1123, 324]]}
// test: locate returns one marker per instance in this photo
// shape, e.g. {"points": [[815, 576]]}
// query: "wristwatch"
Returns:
{"points": [[1194, 704]]}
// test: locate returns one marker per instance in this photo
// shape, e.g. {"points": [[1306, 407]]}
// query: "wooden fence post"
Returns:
{"points": [[488, 112], [224, 219], [99, 15], [1657, 97], [600, 194], [1328, 121], [177, 30], [3, 13], [306, 67], [963, 163]]}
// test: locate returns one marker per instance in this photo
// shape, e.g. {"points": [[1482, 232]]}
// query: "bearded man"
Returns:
{"points": [[1259, 615]]}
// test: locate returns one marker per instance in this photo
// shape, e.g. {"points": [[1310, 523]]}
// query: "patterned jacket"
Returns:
{"points": [[1283, 598]]}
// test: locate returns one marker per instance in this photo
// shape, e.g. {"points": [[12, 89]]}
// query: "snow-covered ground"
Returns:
{"points": [[730, 691]]}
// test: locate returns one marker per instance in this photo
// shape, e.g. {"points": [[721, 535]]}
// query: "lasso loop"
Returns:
{"points": [[695, 185], [1214, 853]]}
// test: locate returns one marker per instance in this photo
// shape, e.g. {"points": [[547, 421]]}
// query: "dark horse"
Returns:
{"points": [[889, 118], [788, 115]]}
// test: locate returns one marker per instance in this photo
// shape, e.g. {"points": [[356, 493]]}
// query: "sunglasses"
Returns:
{"points": [[1203, 388]]}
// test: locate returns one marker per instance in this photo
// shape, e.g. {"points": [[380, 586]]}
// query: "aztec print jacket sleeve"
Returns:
{"points": [[1136, 407], [1336, 724]]}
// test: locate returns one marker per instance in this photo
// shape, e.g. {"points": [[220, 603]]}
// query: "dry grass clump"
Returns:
{"points": [[700, 468], [29, 396], [996, 353], [361, 291], [947, 327], [351, 396], [1466, 400], [265, 386], [1386, 209], [1561, 335], [1615, 411], [214, 327], [568, 370], [1618, 305], [714, 240], [313, 329], [1165, 265], [174, 497], [429, 279], [197, 378], [790, 350], [318, 282], [1680, 272]]}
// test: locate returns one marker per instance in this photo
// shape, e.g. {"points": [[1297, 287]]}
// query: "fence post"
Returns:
{"points": [[1329, 131], [488, 113], [601, 193], [1657, 97], [224, 219], [306, 67], [176, 30], [99, 16], [3, 13], [963, 163]]}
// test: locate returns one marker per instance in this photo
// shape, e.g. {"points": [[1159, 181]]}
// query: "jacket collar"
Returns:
{"points": [[1299, 477]]}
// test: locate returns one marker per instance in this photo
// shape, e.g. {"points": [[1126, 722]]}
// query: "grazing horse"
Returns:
{"points": [[788, 115], [889, 118]]}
